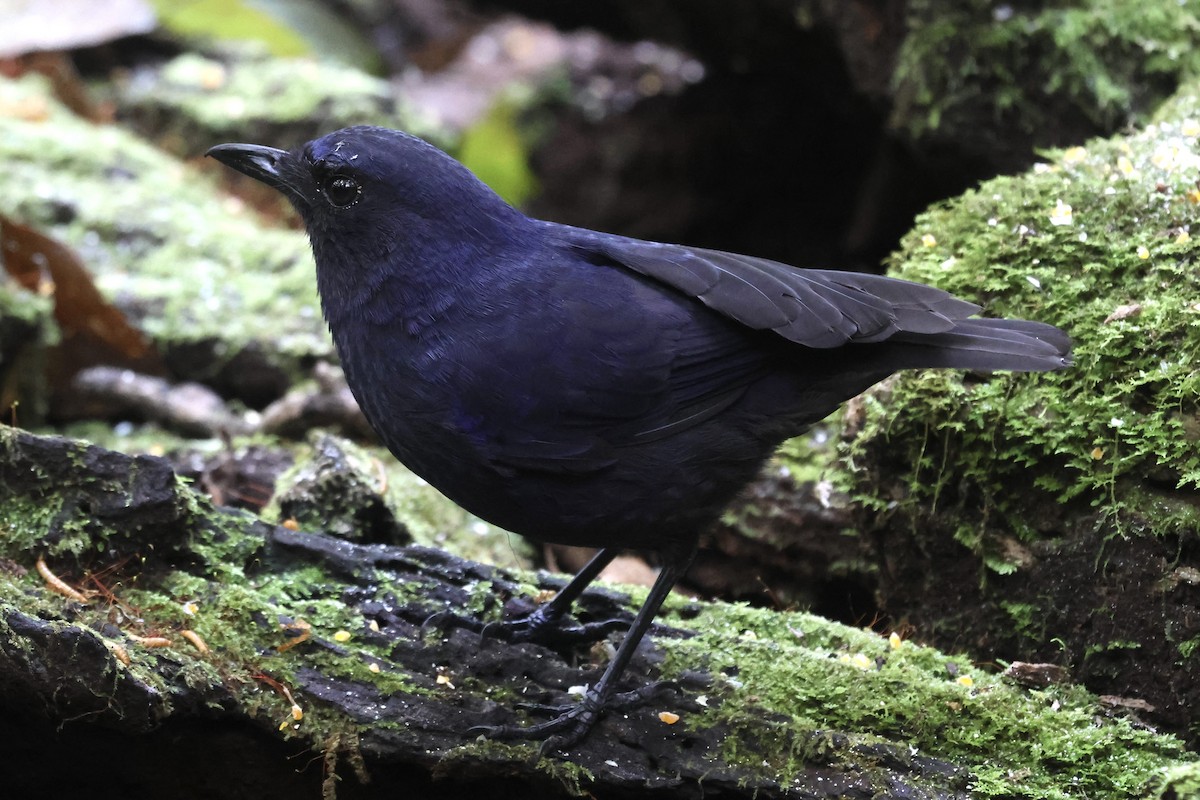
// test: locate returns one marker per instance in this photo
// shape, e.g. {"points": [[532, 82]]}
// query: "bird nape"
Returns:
{"points": [[585, 388]]}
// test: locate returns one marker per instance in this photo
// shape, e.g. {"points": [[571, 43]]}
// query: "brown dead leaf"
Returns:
{"points": [[1124, 312], [1037, 676], [50, 268]]}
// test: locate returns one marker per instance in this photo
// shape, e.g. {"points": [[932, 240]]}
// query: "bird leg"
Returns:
{"points": [[573, 722], [547, 624]]}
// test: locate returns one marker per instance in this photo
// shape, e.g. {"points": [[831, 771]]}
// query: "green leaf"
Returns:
{"points": [[493, 150], [229, 19], [287, 28]]}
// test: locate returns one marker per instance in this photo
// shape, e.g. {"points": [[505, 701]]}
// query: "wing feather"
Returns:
{"points": [[623, 362], [816, 308]]}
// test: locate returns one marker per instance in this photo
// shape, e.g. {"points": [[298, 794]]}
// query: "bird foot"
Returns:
{"points": [[537, 627], [551, 631], [573, 721]]}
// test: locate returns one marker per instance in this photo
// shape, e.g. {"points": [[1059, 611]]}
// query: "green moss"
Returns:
{"points": [[193, 102], [240, 617], [1114, 645], [1028, 620], [44, 527], [1177, 783], [226, 98], [806, 458], [185, 263], [1039, 68], [29, 307], [817, 677], [1117, 271], [28, 595], [573, 778], [144, 439], [425, 513]]}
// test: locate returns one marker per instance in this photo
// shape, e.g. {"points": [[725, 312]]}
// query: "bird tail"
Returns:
{"points": [[985, 344]]}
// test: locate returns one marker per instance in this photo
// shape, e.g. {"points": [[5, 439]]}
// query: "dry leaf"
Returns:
{"points": [[1124, 312], [50, 268]]}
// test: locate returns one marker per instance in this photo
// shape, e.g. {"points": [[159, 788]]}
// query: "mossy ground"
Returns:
{"points": [[209, 582], [142, 221], [1054, 515], [233, 589]]}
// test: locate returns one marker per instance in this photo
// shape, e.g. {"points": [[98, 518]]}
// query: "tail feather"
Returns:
{"points": [[986, 344]]}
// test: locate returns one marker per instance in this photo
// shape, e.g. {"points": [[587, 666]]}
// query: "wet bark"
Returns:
{"points": [[64, 682]]}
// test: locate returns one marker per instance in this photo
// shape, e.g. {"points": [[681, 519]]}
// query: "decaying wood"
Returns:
{"points": [[58, 664]]}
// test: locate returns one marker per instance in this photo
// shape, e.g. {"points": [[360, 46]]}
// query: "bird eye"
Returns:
{"points": [[342, 190]]}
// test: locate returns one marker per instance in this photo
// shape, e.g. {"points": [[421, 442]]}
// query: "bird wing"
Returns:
{"points": [[613, 361], [633, 363], [815, 308]]}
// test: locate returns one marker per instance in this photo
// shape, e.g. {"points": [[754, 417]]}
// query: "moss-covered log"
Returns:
{"points": [[317, 642]]}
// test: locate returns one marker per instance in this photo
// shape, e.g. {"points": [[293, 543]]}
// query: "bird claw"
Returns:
{"points": [[624, 701], [573, 721], [559, 733], [535, 627], [541, 629]]}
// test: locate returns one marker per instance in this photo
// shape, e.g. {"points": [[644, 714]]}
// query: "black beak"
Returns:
{"points": [[261, 163]]}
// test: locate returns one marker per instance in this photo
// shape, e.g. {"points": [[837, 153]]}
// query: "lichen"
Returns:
{"points": [[193, 101]]}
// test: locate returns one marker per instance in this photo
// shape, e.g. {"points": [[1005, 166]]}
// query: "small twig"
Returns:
{"points": [[149, 641], [57, 584], [297, 711], [194, 639]]}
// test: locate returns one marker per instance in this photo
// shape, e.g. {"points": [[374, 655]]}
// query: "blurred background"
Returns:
{"points": [[808, 131]]}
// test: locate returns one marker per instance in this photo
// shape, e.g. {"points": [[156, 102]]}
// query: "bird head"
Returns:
{"points": [[373, 198]]}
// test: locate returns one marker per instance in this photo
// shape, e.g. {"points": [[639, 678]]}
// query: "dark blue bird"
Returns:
{"points": [[586, 388]]}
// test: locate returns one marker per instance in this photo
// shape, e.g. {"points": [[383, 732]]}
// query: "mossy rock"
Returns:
{"points": [[1054, 516], [225, 300], [995, 80], [193, 101]]}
